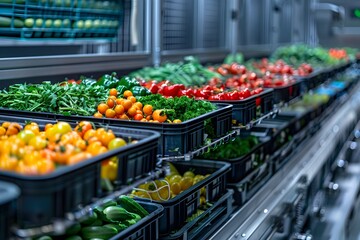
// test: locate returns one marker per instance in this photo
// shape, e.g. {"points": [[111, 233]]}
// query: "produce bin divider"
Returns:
{"points": [[204, 225], [61, 191], [186, 203]]}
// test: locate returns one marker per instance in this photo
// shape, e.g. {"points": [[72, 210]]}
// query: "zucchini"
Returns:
{"points": [[74, 237], [87, 220], [122, 227], [11, 1], [130, 205], [109, 203], [44, 238], [98, 232], [98, 222], [129, 222], [100, 211], [74, 229], [114, 213], [114, 226], [136, 217]]}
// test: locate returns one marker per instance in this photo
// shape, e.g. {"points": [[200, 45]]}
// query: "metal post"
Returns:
{"points": [[147, 26], [232, 20], [156, 32], [199, 15]]}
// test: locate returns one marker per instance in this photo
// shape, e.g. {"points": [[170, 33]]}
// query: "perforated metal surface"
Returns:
{"points": [[177, 27], [214, 27]]}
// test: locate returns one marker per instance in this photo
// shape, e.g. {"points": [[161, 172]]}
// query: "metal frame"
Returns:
{"points": [[152, 54]]}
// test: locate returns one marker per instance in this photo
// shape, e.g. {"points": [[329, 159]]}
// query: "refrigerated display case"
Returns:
{"points": [[294, 170]]}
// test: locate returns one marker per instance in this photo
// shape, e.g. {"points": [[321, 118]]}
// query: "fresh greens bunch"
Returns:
{"points": [[190, 72], [298, 54], [183, 108], [233, 149], [66, 99]]}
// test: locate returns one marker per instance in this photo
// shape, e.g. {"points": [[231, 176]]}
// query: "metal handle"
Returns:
{"points": [[340, 10]]}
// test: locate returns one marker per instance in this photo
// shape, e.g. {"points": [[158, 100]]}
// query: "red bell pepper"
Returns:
{"points": [[173, 90]]}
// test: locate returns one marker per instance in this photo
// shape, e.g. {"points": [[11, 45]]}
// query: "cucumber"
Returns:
{"points": [[39, 22], [114, 213], [87, 220], [74, 237], [68, 3], [29, 22], [132, 206], [18, 23], [6, 22], [74, 229], [98, 232]]}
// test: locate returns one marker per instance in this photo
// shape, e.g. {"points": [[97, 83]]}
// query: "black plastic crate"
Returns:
{"points": [[312, 80], [147, 228], [179, 208], [247, 188], [243, 110], [202, 227], [242, 166], [175, 139], [54, 194], [288, 92], [266, 100], [8, 195], [281, 130]]}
